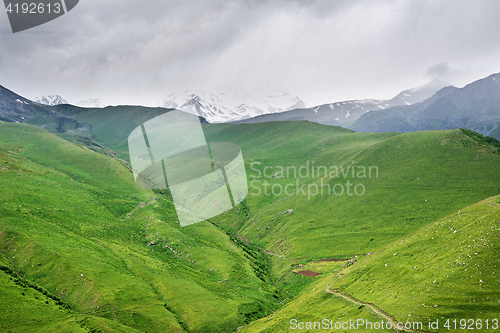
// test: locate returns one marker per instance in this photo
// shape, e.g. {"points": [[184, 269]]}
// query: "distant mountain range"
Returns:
{"points": [[93, 103], [223, 105], [53, 100], [227, 105], [434, 106], [346, 113], [267, 104], [429, 107], [67, 118], [476, 107]]}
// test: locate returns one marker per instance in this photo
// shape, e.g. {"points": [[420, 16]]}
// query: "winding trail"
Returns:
{"points": [[139, 206], [375, 309]]}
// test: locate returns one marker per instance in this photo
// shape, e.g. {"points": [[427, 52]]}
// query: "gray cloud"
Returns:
{"points": [[323, 50], [439, 70], [444, 72]]}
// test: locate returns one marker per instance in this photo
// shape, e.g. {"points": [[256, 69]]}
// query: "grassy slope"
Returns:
{"points": [[422, 177], [452, 171], [111, 126], [452, 263], [445, 270], [74, 222]]}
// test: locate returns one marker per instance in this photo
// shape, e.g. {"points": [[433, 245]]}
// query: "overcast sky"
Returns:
{"points": [[137, 52]]}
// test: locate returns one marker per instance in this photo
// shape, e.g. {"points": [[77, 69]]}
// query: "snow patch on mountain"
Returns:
{"points": [[50, 100], [22, 102], [93, 103], [418, 94], [227, 105]]}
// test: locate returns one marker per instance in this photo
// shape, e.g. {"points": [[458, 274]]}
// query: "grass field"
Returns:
{"points": [[444, 272], [112, 257], [422, 176], [74, 222]]}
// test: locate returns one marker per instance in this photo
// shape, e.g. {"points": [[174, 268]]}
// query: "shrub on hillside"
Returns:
{"points": [[481, 139]]}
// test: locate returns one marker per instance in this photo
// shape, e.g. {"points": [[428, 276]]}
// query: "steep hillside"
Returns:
{"points": [[446, 272], [92, 126], [15, 108], [73, 222], [415, 178], [448, 269], [112, 125]]}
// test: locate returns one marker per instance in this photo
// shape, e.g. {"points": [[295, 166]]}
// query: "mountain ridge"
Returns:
{"points": [[15, 108], [475, 106], [345, 113]]}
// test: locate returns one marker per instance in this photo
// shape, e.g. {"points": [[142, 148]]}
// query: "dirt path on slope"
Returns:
{"points": [[141, 205], [374, 308]]}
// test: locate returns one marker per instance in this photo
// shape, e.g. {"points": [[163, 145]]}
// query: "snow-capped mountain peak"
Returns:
{"points": [[93, 103], [50, 100], [231, 104]]}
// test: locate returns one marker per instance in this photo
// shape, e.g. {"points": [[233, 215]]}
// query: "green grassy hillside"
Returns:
{"points": [[422, 177], [111, 126], [74, 222], [95, 127], [445, 271]]}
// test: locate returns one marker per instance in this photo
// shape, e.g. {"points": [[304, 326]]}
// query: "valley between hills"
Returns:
{"points": [[84, 249]]}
